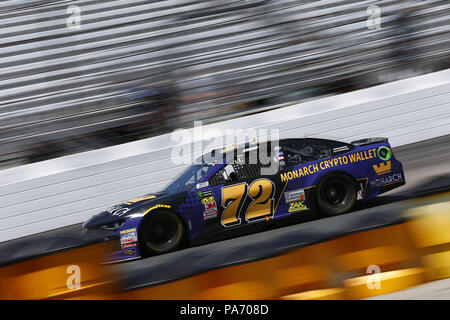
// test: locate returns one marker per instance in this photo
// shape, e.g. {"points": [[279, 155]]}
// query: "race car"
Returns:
{"points": [[229, 190]]}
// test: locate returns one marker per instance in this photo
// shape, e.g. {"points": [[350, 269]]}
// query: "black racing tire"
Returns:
{"points": [[336, 194], [161, 231]]}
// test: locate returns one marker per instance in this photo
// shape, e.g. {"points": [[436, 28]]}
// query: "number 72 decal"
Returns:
{"points": [[261, 193]]}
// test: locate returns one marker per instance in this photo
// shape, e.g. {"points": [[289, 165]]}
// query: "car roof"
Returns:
{"points": [[217, 155]]}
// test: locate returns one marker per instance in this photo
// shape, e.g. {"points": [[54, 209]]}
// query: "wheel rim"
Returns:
{"points": [[335, 193], [162, 233]]}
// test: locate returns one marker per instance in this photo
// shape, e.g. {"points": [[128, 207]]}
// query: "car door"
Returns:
{"points": [[301, 166], [297, 192], [247, 194]]}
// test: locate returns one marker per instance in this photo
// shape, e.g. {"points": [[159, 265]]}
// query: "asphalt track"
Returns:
{"points": [[422, 161], [426, 169]]}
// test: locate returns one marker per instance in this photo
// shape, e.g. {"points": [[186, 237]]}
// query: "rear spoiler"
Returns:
{"points": [[367, 141]]}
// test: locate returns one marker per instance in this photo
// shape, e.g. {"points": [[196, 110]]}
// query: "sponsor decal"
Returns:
{"points": [[209, 215], [297, 206], [210, 208], [382, 168], [128, 230], [327, 164], [127, 246], [130, 252], [294, 195], [202, 185], [384, 153], [209, 199], [307, 170], [128, 239], [118, 211], [386, 180], [204, 194]]}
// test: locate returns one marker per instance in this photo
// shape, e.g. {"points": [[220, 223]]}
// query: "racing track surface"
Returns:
{"points": [[427, 172], [423, 160]]}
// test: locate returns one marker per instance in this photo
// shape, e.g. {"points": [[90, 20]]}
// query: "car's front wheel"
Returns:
{"points": [[336, 194], [161, 232]]}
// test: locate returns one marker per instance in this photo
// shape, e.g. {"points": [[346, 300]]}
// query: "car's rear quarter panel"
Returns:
{"points": [[357, 163]]}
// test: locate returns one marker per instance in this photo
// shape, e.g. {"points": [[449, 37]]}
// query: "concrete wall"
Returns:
{"points": [[68, 190]]}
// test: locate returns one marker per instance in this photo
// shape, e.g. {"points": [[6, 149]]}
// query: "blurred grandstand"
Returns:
{"points": [[136, 69]]}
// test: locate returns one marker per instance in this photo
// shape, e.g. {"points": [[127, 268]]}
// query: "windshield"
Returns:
{"points": [[189, 177]]}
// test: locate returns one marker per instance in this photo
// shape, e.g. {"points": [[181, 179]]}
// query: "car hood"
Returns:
{"points": [[123, 210]]}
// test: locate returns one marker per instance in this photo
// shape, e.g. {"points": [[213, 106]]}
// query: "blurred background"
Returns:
{"points": [[109, 72]]}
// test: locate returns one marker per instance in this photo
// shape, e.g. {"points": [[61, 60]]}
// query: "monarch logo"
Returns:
{"points": [[384, 153], [387, 180], [382, 168]]}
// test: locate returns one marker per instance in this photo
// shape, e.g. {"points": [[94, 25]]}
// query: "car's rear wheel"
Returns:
{"points": [[161, 232], [336, 194]]}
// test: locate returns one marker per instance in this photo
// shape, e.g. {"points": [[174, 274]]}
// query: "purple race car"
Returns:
{"points": [[243, 188]]}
